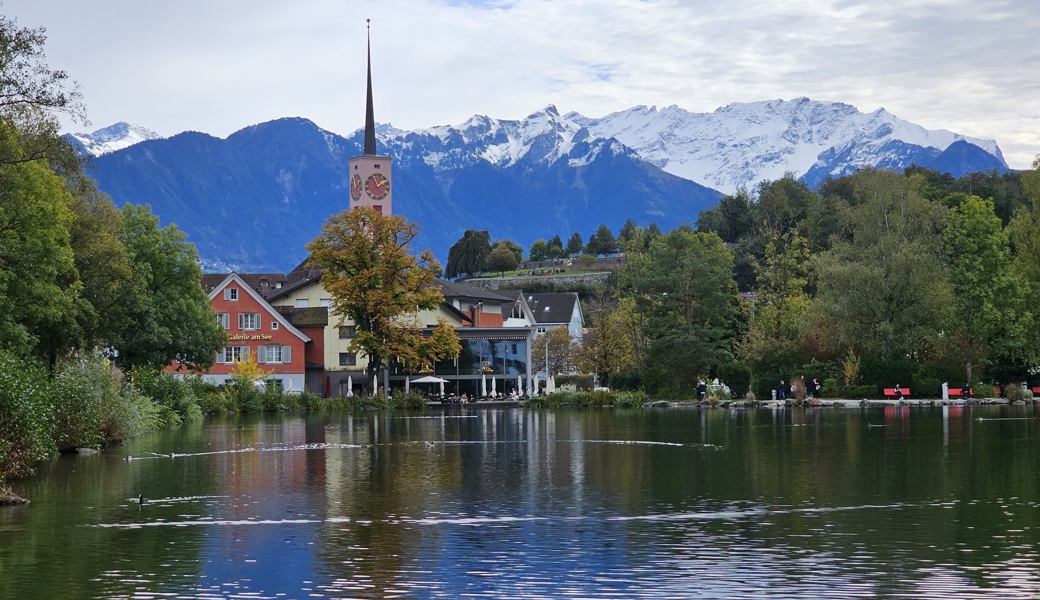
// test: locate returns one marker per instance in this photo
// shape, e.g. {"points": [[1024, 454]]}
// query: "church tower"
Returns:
{"points": [[370, 176]]}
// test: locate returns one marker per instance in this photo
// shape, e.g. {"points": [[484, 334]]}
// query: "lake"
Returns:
{"points": [[923, 502]]}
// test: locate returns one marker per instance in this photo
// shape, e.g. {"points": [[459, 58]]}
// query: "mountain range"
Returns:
{"points": [[253, 200]]}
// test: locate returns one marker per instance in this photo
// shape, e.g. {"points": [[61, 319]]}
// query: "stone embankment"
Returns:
{"points": [[495, 283], [840, 403]]}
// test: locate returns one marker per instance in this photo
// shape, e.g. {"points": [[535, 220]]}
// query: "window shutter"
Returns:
{"points": [[241, 318], [245, 353], [286, 354], [258, 320], [220, 356], [227, 293], [261, 354]]}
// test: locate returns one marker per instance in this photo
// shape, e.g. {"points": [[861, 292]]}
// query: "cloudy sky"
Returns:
{"points": [[970, 66]]}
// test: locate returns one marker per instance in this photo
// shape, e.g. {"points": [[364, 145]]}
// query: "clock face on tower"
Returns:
{"points": [[355, 186], [377, 186]]}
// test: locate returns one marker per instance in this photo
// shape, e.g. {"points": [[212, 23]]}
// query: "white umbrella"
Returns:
{"points": [[350, 386], [407, 388], [492, 385], [519, 385], [375, 383], [442, 389], [483, 385], [551, 385]]}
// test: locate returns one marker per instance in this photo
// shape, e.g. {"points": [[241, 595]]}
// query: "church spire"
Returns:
{"points": [[370, 119]]}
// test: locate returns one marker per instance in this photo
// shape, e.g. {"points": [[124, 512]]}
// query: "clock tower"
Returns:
{"points": [[370, 175]]}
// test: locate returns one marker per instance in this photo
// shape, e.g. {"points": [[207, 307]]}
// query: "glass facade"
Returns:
{"points": [[487, 357]]}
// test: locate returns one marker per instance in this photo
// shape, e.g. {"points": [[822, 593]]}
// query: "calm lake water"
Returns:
{"points": [[513, 503]]}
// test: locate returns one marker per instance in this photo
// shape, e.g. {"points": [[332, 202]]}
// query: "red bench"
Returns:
{"points": [[956, 392], [892, 392]]}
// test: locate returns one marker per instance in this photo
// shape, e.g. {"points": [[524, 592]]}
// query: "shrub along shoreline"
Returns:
{"points": [[88, 402]]}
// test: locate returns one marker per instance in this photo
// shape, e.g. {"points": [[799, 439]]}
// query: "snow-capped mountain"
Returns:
{"points": [[547, 174], [741, 144], [114, 137]]}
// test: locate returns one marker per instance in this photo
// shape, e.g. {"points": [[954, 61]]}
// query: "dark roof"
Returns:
{"points": [[317, 316], [263, 283], [452, 289], [552, 308]]}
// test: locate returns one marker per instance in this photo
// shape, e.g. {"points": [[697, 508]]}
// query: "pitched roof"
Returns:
{"points": [[236, 278], [452, 289], [552, 308]]}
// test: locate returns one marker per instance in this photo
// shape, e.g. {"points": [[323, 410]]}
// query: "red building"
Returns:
{"points": [[256, 329]]}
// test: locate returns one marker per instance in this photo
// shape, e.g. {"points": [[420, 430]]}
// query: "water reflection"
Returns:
{"points": [[554, 504]]}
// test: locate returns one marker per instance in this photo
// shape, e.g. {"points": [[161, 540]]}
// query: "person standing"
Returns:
{"points": [[702, 390], [781, 391]]}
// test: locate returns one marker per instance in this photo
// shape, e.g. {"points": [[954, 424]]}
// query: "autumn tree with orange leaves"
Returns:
{"points": [[378, 285]]}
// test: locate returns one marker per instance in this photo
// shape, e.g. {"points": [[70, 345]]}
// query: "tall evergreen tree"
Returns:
{"points": [[468, 255]]}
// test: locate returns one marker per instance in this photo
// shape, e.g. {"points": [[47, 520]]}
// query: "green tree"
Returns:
{"points": [[688, 298], [602, 242], [516, 249], [378, 285], [468, 255], [38, 289], [977, 254], [169, 315], [614, 342], [555, 248], [574, 244], [562, 351], [501, 259], [881, 288], [539, 251], [733, 217], [628, 232], [101, 265]]}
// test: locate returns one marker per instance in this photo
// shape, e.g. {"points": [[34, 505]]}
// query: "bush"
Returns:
{"points": [[26, 420], [860, 391], [926, 387], [178, 400], [82, 389], [627, 380], [132, 416], [737, 376], [630, 399], [412, 400], [1016, 392], [984, 390], [829, 388]]}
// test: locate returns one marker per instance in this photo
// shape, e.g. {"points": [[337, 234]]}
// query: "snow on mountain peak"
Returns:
{"points": [[736, 146], [741, 144], [114, 137]]}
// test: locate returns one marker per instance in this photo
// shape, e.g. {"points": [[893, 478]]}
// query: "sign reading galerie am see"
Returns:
{"points": [[244, 336]]}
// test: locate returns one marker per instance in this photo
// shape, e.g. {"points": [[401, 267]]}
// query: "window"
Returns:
{"points": [[346, 332], [231, 294], [347, 359], [232, 354], [327, 303], [303, 303], [248, 321], [275, 386], [274, 324], [274, 354], [225, 320]]}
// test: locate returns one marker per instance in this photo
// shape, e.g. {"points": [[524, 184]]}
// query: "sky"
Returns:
{"points": [[217, 66]]}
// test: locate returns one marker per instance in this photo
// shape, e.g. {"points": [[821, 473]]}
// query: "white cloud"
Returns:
{"points": [[220, 65]]}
